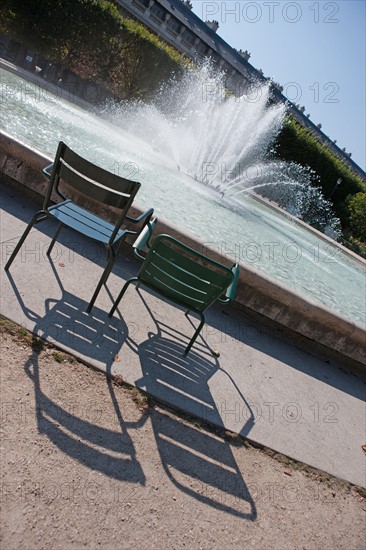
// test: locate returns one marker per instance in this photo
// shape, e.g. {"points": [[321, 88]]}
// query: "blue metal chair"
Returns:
{"points": [[70, 173], [182, 275]]}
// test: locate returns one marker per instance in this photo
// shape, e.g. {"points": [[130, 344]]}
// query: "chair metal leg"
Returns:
{"points": [[112, 252], [196, 333], [102, 280], [120, 295], [40, 216], [59, 227]]}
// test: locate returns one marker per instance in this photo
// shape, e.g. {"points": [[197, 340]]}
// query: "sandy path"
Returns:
{"points": [[87, 463]]}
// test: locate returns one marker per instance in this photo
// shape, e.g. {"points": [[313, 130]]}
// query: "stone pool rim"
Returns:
{"points": [[262, 295]]}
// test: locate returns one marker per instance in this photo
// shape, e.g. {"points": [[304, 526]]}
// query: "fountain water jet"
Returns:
{"points": [[222, 141], [266, 241]]}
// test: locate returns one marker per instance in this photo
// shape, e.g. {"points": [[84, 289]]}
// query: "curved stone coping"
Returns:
{"points": [[256, 291], [281, 212], [59, 91]]}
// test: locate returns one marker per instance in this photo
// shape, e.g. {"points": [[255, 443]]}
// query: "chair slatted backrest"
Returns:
{"points": [[92, 180], [183, 274]]}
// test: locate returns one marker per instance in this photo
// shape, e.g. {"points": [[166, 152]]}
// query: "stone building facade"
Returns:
{"points": [[175, 22]]}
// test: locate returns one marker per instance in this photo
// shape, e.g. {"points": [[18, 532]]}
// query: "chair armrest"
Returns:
{"points": [[47, 171], [144, 238], [231, 290], [145, 216]]}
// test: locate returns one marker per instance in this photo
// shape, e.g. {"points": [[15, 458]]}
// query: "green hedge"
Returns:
{"points": [[357, 215], [298, 144], [92, 39], [140, 63]]}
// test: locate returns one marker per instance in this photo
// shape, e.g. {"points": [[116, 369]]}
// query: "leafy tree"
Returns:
{"points": [[296, 143], [92, 39], [357, 215]]}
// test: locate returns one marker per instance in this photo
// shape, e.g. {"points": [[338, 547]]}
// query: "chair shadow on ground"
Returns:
{"points": [[67, 323], [200, 464]]}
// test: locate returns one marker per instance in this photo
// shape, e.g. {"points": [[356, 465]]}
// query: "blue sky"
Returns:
{"points": [[315, 49]]}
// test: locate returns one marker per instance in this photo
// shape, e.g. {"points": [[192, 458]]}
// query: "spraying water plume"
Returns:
{"points": [[224, 141]]}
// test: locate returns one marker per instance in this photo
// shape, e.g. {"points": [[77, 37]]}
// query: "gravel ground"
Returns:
{"points": [[89, 463]]}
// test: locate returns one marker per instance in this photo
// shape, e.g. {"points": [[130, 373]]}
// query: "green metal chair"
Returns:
{"points": [[71, 173], [182, 275]]}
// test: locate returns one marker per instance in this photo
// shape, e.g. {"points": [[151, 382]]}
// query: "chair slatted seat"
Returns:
{"points": [[85, 222]]}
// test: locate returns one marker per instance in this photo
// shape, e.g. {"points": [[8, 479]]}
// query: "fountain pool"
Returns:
{"points": [[246, 230]]}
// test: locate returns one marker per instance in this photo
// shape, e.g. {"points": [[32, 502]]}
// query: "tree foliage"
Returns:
{"points": [[92, 39], [296, 143], [357, 215]]}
